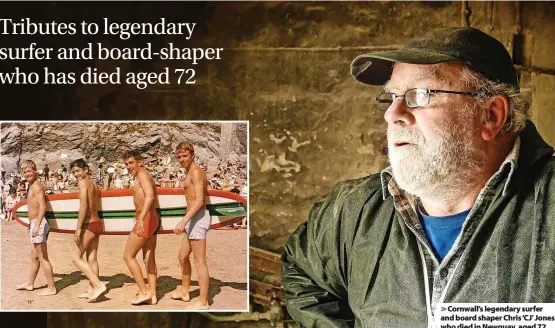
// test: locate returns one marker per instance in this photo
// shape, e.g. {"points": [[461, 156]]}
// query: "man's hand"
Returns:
{"points": [[139, 228], [35, 231], [180, 227], [77, 237]]}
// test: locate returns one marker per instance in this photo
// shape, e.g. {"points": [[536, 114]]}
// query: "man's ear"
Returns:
{"points": [[494, 116]]}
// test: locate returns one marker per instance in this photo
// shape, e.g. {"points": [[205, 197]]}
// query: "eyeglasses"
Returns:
{"points": [[414, 98]]}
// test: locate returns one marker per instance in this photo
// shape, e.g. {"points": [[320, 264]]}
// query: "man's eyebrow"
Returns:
{"points": [[425, 73]]}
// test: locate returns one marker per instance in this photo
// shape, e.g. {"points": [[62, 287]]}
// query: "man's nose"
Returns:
{"points": [[398, 113]]}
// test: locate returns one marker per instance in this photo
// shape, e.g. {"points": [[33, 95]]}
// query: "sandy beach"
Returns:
{"points": [[226, 256]]}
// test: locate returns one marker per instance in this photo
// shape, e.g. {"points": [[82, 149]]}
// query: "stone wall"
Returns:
{"points": [[313, 125]]}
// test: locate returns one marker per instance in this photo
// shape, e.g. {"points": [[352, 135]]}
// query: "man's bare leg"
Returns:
{"points": [[134, 244], [93, 263], [183, 257], [198, 247], [87, 238], [33, 271], [92, 260], [87, 294], [42, 252], [149, 256]]}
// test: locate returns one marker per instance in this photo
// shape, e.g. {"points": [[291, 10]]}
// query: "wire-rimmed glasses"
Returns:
{"points": [[417, 97]]}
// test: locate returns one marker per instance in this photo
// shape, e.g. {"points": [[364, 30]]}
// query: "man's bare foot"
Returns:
{"points": [[198, 306], [48, 292], [142, 298], [180, 296], [96, 292], [26, 286]]}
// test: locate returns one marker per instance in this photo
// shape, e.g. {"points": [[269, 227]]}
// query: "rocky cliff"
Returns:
{"points": [[59, 143]]}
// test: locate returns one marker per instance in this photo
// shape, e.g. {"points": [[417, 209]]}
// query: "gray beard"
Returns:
{"points": [[442, 168]]}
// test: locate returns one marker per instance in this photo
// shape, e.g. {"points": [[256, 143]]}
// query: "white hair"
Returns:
{"points": [[518, 107]]}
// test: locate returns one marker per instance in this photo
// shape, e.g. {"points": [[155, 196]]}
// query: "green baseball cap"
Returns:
{"points": [[468, 46]]}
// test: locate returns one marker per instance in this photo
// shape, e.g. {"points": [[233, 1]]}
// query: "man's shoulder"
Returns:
{"points": [[335, 221], [197, 172], [36, 190], [37, 187], [142, 174], [356, 188], [197, 168], [543, 169], [550, 164], [148, 180], [350, 196], [547, 171]]}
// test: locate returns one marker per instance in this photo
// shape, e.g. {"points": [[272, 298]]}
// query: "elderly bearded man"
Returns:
{"points": [[465, 212]]}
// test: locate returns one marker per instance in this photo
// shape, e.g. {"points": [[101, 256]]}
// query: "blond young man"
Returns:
{"points": [[196, 224], [38, 231]]}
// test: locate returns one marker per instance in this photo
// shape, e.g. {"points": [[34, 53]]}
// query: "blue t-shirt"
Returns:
{"points": [[442, 231]]}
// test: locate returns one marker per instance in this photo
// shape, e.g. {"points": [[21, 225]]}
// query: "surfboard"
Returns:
{"points": [[117, 210]]}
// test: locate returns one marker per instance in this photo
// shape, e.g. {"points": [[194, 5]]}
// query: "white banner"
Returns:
{"points": [[495, 315]]}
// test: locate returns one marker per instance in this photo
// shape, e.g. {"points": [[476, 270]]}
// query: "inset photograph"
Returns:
{"points": [[124, 216]]}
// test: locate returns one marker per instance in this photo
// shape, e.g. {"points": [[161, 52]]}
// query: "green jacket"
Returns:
{"points": [[359, 261]]}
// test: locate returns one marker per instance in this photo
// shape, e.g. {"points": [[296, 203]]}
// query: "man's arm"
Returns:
{"points": [[198, 179], [41, 201], [83, 203], [315, 295], [148, 190], [38, 192]]}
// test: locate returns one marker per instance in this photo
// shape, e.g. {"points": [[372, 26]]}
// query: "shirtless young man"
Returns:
{"points": [[196, 223], [38, 231], [143, 236], [89, 227]]}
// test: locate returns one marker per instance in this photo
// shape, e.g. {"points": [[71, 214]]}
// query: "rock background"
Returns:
{"points": [[60, 143]]}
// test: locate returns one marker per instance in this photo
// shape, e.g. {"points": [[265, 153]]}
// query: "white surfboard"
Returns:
{"points": [[117, 210]]}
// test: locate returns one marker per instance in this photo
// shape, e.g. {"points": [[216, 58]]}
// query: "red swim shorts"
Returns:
{"points": [[151, 224], [95, 227]]}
